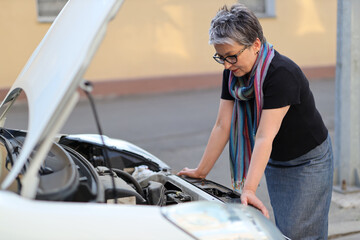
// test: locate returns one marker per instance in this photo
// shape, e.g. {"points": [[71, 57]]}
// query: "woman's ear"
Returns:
{"points": [[257, 45]]}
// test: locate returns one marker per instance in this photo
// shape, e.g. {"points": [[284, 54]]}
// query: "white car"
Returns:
{"points": [[90, 186]]}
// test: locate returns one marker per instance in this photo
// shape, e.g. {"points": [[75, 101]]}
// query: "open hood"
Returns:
{"points": [[50, 80]]}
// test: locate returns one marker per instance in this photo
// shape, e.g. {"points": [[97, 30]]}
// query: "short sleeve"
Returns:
{"points": [[281, 88], [225, 94]]}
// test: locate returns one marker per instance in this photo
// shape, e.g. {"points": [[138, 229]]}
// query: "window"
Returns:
{"points": [[261, 8], [47, 10]]}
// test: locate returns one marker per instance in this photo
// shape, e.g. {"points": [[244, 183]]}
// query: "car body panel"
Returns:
{"points": [[37, 220]]}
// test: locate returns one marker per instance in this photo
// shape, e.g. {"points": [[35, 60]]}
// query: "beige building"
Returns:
{"points": [[162, 45]]}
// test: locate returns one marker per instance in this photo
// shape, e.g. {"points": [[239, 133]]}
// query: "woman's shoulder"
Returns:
{"points": [[282, 61], [282, 66]]}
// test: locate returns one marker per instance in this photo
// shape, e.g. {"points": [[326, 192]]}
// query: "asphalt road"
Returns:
{"points": [[175, 127], [172, 126]]}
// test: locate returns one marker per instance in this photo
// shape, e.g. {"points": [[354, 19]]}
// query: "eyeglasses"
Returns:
{"points": [[230, 59]]}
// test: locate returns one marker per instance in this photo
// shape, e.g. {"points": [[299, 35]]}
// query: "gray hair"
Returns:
{"points": [[238, 24]]}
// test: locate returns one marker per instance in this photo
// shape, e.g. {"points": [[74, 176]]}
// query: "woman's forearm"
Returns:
{"points": [[218, 138], [269, 126], [259, 160]]}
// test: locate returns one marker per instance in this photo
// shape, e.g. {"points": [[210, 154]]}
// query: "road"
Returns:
{"points": [[173, 126]]}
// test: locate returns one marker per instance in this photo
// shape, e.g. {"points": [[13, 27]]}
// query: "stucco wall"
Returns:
{"points": [[304, 30], [151, 38]]}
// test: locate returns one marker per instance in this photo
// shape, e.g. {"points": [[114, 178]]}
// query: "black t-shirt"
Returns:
{"points": [[302, 128]]}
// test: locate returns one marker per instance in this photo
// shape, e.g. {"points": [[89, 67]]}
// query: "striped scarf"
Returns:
{"points": [[243, 127]]}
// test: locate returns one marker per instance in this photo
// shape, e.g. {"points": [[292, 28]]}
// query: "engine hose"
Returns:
{"points": [[109, 193], [127, 177], [172, 191]]}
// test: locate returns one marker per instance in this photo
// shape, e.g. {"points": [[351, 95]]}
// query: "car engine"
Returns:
{"points": [[78, 170]]}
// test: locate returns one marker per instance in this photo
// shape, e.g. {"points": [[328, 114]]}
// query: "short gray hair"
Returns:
{"points": [[238, 24]]}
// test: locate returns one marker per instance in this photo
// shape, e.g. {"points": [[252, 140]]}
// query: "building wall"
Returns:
{"points": [[152, 39]]}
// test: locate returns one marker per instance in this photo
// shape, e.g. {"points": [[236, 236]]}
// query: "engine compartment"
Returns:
{"points": [[77, 170], [159, 186]]}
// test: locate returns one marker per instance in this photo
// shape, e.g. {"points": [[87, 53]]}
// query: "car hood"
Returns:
{"points": [[51, 77]]}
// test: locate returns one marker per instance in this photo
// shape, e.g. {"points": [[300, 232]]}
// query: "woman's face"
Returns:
{"points": [[246, 56]]}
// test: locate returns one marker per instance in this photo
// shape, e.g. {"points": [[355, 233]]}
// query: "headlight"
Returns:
{"points": [[214, 221]]}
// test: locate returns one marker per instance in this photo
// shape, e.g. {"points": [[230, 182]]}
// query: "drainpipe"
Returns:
{"points": [[347, 108]]}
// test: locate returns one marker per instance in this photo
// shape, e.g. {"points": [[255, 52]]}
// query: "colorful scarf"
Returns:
{"points": [[243, 127]]}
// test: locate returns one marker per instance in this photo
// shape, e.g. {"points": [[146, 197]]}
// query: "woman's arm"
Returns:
{"points": [[218, 138], [269, 126]]}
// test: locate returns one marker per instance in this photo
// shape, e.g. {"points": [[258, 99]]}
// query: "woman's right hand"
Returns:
{"points": [[193, 173], [248, 197]]}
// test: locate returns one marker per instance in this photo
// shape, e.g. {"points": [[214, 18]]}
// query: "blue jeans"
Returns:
{"points": [[300, 192]]}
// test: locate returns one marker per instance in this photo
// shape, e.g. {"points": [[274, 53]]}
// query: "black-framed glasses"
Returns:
{"points": [[230, 59]]}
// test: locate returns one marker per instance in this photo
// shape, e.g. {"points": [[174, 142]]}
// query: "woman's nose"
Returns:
{"points": [[227, 65]]}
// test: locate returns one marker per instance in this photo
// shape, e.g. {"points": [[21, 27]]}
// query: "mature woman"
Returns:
{"points": [[268, 115]]}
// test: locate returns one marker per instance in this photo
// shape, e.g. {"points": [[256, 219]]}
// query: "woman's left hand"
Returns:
{"points": [[248, 197]]}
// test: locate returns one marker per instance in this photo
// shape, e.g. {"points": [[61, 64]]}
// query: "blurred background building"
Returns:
{"points": [[162, 45]]}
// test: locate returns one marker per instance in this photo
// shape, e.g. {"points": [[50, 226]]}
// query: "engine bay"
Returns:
{"points": [[78, 170]]}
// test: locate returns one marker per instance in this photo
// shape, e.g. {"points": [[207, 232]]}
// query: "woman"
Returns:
{"points": [[268, 115]]}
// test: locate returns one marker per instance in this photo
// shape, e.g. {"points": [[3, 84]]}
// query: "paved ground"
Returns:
{"points": [[175, 127]]}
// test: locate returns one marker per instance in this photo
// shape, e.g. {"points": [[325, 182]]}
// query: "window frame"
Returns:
{"points": [[269, 9], [47, 19]]}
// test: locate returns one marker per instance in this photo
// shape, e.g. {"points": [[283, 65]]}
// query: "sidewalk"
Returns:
{"points": [[344, 217]]}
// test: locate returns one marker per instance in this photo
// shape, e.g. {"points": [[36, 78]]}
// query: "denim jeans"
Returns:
{"points": [[300, 192]]}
